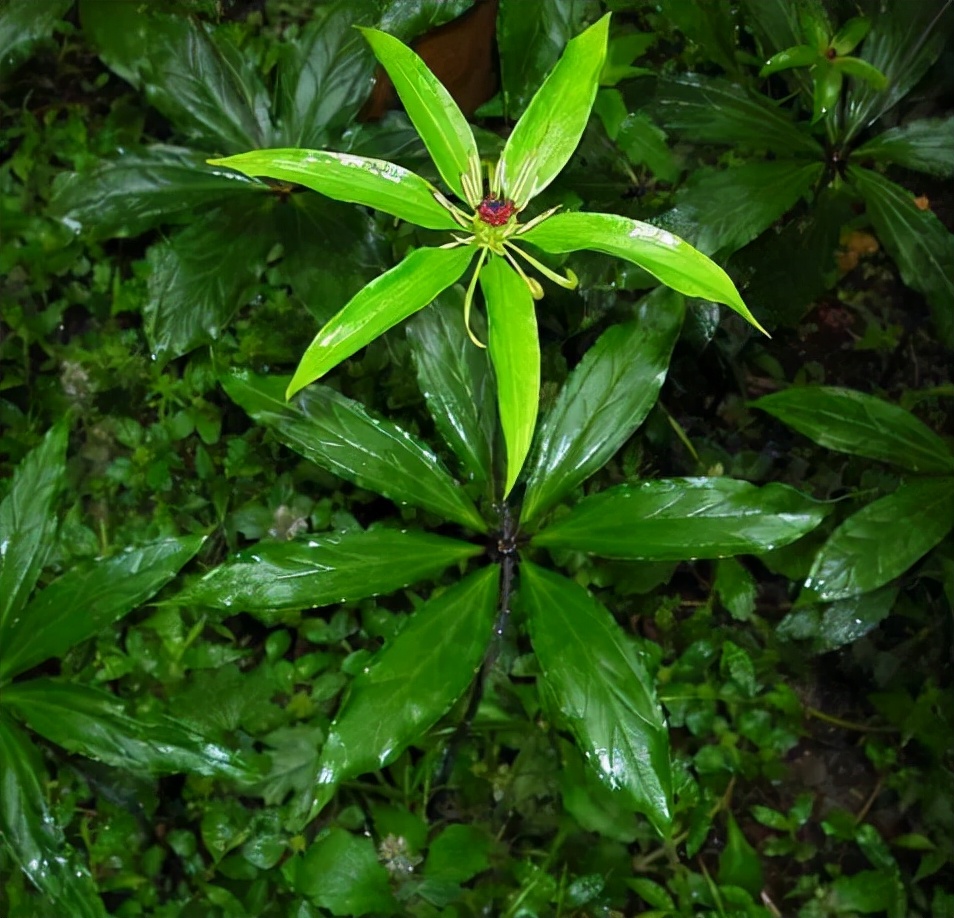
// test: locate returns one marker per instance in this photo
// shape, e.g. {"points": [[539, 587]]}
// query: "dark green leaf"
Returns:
{"points": [[736, 589], [515, 353], [602, 690], [860, 424], [739, 862], [667, 257], [24, 24], [282, 576], [457, 381], [355, 179], [31, 833], [28, 524], [645, 143], [866, 893], [198, 279], [411, 683], [882, 540], [341, 436], [530, 37], [926, 145], [731, 207], [88, 597], [387, 300], [94, 723], [605, 399], [831, 626], [916, 239], [458, 853], [711, 26], [549, 131], [341, 872], [717, 111], [142, 189], [682, 518]]}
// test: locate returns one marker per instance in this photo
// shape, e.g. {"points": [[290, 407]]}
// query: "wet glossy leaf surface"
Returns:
{"points": [[274, 577], [412, 682], [833, 625], [88, 597], [883, 539], [926, 145], [456, 380], [683, 518], [860, 424], [22, 27], [601, 689], [340, 436], [515, 353], [604, 400]]}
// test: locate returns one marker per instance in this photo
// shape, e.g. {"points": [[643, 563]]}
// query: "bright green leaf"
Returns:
{"points": [[860, 424], [796, 56], [601, 689], [850, 35], [384, 302], [458, 853], [605, 399], [274, 577], [861, 70], [515, 353], [882, 540], [683, 518]]}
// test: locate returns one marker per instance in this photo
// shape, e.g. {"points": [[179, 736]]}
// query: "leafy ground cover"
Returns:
{"points": [[160, 741]]}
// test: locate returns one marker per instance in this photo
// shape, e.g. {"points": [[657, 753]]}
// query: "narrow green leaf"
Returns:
{"points": [[604, 400], [668, 258], [550, 129], [739, 862], [342, 437], [457, 381], [276, 577], [716, 111], [602, 690], [91, 722], [411, 683], [850, 35], [355, 179], [515, 353], [926, 145], [434, 114], [141, 189], [882, 540], [387, 300], [860, 424], [28, 524], [679, 519], [796, 56], [916, 239], [861, 70], [88, 597], [828, 82], [31, 833], [23, 26]]}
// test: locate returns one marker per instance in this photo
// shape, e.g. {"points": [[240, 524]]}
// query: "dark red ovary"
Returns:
{"points": [[496, 211]]}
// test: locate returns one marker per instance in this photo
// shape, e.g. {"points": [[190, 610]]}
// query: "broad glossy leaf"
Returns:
{"points": [[457, 381], [916, 239], [515, 353], [356, 179], [387, 300], [88, 597], [926, 145], [717, 111], [602, 690], [832, 625], [28, 524], [729, 208], [275, 577], [604, 400], [197, 78], [200, 277], [31, 833], [530, 37], [860, 424], [409, 18], [668, 258], [438, 120], [141, 189], [679, 519], [342, 437], [882, 540], [89, 721], [411, 683], [550, 129], [23, 25]]}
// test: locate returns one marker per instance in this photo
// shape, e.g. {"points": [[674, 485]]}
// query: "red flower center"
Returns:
{"points": [[496, 211]]}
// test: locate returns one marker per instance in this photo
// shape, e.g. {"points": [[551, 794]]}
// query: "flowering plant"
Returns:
{"points": [[489, 231]]}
